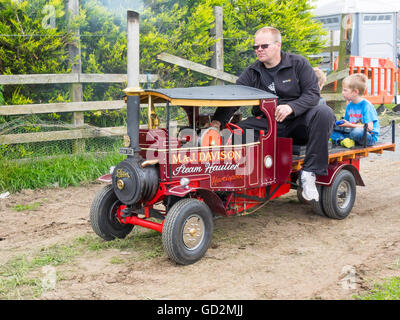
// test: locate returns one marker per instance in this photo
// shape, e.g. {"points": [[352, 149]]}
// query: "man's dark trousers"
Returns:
{"points": [[312, 128]]}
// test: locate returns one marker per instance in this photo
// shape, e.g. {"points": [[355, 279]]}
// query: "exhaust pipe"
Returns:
{"points": [[134, 180], [132, 110], [133, 102]]}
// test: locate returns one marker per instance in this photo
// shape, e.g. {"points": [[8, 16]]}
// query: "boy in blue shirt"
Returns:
{"points": [[358, 112]]}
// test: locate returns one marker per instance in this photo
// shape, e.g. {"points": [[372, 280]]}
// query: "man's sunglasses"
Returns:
{"points": [[263, 46]]}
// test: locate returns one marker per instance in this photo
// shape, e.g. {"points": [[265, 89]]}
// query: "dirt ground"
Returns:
{"points": [[283, 251]]}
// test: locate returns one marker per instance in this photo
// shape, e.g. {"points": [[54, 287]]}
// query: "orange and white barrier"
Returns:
{"points": [[381, 74]]}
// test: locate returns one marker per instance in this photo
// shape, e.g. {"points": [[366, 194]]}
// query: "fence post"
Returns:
{"points": [[217, 60], [331, 53], [76, 67], [346, 30]]}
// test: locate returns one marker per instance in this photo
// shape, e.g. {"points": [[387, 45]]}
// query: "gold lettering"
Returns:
{"points": [[238, 154], [210, 156], [176, 159], [122, 174], [215, 156], [222, 155]]}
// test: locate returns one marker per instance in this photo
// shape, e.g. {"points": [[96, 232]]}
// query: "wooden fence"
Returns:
{"points": [[76, 79], [78, 133]]}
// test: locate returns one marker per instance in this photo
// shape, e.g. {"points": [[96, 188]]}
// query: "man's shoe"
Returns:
{"points": [[310, 191]]}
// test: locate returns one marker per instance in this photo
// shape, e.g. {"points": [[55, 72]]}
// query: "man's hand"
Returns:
{"points": [[282, 111]]}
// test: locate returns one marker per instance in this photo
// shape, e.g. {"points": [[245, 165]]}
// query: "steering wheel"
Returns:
{"points": [[234, 128]]}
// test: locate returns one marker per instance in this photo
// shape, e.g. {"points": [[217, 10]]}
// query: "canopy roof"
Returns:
{"points": [[218, 96]]}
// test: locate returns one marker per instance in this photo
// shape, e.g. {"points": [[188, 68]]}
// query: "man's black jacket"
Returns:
{"points": [[295, 83]]}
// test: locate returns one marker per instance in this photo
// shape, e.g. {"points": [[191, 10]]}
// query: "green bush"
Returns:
{"points": [[1, 96]]}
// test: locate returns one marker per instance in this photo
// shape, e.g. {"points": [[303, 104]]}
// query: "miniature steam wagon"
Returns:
{"points": [[177, 178]]}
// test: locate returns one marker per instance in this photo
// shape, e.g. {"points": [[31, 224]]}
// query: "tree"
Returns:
{"points": [[181, 31], [185, 31], [179, 27], [32, 43], [28, 45], [301, 34]]}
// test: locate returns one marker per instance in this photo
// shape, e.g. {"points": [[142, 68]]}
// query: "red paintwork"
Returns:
{"points": [[144, 223], [236, 170], [240, 202], [138, 221], [352, 165], [230, 179], [215, 167], [105, 178], [119, 211]]}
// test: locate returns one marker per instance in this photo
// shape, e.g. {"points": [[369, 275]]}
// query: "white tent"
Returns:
{"points": [[330, 7], [373, 23]]}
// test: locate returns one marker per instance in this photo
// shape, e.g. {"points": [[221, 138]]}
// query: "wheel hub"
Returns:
{"points": [[343, 194], [193, 231]]}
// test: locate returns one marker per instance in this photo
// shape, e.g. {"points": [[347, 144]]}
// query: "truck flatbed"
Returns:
{"points": [[339, 153]]}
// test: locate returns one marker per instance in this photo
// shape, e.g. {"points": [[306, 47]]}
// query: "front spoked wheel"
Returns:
{"points": [[187, 231]]}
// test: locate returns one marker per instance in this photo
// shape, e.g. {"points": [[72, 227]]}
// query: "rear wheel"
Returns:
{"points": [[339, 198], [316, 207], [300, 196], [104, 218], [187, 231]]}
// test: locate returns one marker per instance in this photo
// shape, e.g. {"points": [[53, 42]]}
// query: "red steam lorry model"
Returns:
{"points": [[177, 179]]}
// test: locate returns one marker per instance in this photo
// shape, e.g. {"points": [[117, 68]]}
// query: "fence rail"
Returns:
{"points": [[60, 107], [73, 134], [62, 135], [197, 67], [72, 78]]}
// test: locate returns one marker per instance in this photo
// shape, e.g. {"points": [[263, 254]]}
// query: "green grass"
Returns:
{"points": [[27, 207], [62, 171], [21, 277], [147, 243], [117, 260], [388, 290]]}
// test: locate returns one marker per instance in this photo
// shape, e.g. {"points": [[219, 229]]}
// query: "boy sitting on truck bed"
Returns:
{"points": [[359, 111]]}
